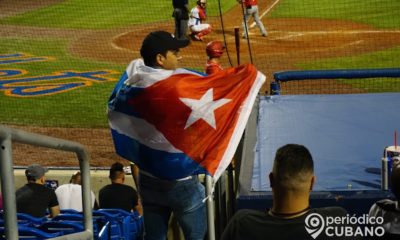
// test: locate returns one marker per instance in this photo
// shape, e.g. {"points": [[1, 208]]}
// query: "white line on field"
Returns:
{"points": [[291, 34], [118, 47], [265, 12]]}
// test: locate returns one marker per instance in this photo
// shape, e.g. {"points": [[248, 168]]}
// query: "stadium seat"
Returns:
{"points": [[131, 223], [115, 223], [69, 211], [26, 219], [64, 227], [78, 219], [104, 233], [30, 233], [68, 217]]}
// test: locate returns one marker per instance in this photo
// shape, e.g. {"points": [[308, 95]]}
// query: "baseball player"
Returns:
{"points": [[196, 19], [181, 16], [214, 51], [251, 9]]}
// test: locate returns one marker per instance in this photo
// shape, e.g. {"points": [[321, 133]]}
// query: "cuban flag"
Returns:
{"points": [[177, 123]]}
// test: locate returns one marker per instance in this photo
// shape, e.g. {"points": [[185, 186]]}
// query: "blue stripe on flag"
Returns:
{"points": [[124, 93], [163, 164]]}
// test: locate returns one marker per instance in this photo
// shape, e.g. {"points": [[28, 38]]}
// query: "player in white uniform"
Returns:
{"points": [[196, 19]]}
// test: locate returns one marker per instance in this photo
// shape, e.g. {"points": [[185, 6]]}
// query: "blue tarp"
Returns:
{"points": [[345, 133]]}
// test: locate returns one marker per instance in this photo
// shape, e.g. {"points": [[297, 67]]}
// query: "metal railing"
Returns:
{"points": [[7, 135]]}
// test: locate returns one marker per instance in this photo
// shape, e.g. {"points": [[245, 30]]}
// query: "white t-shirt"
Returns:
{"points": [[70, 196]]}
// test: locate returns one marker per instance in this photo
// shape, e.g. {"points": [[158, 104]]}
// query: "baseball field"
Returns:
{"points": [[59, 59]]}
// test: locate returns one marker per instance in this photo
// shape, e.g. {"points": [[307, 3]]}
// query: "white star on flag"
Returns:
{"points": [[203, 108]]}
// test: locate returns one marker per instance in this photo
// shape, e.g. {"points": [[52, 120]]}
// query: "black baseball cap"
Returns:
{"points": [[159, 42]]}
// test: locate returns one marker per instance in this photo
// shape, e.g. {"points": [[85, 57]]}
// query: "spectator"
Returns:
{"points": [[214, 50], [34, 198], [70, 195], [160, 197], [291, 180], [117, 194], [251, 10], [196, 21], [181, 16], [388, 209]]}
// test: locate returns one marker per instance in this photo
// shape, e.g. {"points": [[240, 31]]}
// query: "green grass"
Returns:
{"points": [[55, 48], [379, 13], [83, 107], [86, 106], [389, 58], [103, 14]]}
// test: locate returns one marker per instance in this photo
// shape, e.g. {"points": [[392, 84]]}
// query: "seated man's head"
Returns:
{"points": [[293, 170], [35, 173], [117, 173], [160, 49], [76, 178]]}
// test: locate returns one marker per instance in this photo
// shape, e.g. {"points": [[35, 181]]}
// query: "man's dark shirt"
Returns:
{"points": [[34, 199], [257, 225], [179, 3], [118, 196]]}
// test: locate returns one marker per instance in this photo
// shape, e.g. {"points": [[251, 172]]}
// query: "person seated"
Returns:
{"points": [[196, 21], [291, 180], [117, 194], [214, 50], [70, 195], [389, 209], [34, 198]]}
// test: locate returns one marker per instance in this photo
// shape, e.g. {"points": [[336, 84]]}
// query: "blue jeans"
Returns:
{"points": [[184, 198]]}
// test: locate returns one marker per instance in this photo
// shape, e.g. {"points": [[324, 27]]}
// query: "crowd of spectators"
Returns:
{"points": [[291, 179], [39, 200]]}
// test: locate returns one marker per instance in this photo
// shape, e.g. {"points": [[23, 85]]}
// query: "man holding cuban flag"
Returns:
{"points": [[174, 124]]}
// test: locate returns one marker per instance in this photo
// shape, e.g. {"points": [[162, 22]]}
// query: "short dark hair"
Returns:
{"points": [[150, 59], [30, 179], [293, 162], [75, 177], [115, 170]]}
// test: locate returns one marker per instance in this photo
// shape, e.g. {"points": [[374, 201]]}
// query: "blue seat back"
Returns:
{"points": [[61, 226], [115, 223], [69, 211], [104, 233], [68, 217], [131, 223], [78, 218], [26, 219], [30, 233]]}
